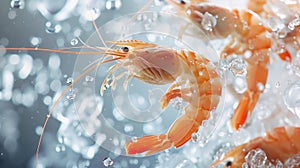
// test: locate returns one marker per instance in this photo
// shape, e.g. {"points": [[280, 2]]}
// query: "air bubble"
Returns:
{"points": [[113, 4], [89, 78], [17, 4], [60, 148], [277, 84], [52, 27], [195, 137], [35, 41], [292, 98], [92, 14], [38, 130], [71, 95], [74, 42], [239, 84], [108, 162], [128, 128], [208, 21]]}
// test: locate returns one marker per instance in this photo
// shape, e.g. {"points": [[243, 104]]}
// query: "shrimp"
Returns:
{"points": [[247, 33], [158, 65], [284, 24], [197, 83], [279, 143]]}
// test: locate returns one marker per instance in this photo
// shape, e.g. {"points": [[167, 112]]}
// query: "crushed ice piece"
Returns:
{"points": [[108, 162], [256, 158], [296, 64], [293, 161], [276, 24], [292, 98], [52, 27], [294, 23], [177, 103], [17, 4], [239, 84], [237, 66], [208, 21], [113, 4]]}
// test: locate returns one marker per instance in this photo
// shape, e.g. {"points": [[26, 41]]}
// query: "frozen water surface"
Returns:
{"points": [[89, 130]]}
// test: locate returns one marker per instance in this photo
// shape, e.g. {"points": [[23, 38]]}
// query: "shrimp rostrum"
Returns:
{"points": [[280, 144], [246, 33], [192, 77]]}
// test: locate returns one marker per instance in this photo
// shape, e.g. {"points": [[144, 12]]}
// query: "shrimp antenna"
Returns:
{"points": [[146, 6], [90, 67], [61, 96]]}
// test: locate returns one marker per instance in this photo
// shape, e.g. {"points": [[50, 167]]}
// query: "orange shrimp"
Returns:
{"points": [[247, 33], [285, 24], [158, 65], [280, 143], [198, 85]]}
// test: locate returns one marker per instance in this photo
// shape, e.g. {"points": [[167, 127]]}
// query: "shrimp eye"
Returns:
{"points": [[125, 49], [228, 164], [182, 2]]}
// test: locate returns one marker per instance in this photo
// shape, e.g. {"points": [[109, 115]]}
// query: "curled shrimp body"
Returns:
{"points": [[247, 34], [193, 79], [280, 143]]}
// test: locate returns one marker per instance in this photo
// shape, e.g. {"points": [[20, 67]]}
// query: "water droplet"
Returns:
{"points": [[134, 139], [71, 95], [208, 21], [294, 23], [74, 41], [60, 148], [70, 80], [17, 4], [108, 162], [277, 84], [239, 84], [89, 78], [113, 4], [52, 27], [195, 137], [260, 86], [1, 153], [292, 98], [38, 130]]}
